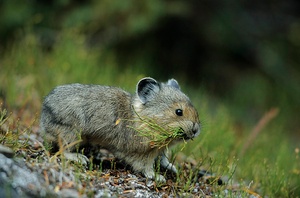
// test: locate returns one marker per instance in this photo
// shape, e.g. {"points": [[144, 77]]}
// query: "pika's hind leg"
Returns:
{"points": [[69, 140], [76, 157], [65, 140]]}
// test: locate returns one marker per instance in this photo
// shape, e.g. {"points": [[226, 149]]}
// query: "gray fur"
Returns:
{"points": [[103, 115], [172, 82]]}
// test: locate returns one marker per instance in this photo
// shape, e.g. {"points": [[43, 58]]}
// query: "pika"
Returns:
{"points": [[105, 115]]}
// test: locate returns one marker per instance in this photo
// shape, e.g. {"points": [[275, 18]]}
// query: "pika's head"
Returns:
{"points": [[167, 105]]}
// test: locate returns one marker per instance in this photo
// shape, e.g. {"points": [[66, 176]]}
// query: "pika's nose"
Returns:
{"points": [[196, 129]]}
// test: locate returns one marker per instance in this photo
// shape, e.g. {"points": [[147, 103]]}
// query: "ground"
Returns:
{"points": [[31, 170]]}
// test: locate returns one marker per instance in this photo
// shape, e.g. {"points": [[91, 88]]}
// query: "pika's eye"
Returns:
{"points": [[179, 112]]}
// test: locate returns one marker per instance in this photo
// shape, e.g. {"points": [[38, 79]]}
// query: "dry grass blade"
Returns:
{"points": [[271, 114], [63, 148], [3, 115]]}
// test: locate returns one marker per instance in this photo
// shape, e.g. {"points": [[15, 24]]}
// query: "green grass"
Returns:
{"points": [[157, 136], [269, 166]]}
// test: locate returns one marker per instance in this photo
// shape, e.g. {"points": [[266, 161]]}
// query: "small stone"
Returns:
{"points": [[149, 183], [68, 193], [8, 152]]}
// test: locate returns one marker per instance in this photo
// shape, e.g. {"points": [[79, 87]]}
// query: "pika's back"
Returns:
{"points": [[78, 106], [77, 92]]}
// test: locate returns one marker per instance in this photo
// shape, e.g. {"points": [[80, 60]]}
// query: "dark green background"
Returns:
{"points": [[245, 53]]}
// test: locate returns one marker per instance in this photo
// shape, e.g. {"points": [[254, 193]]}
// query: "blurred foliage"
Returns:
{"points": [[245, 51], [243, 54]]}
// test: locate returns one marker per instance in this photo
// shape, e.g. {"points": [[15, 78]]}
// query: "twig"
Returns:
{"points": [[267, 117]]}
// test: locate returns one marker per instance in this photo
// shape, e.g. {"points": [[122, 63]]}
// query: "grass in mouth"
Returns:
{"points": [[158, 136]]}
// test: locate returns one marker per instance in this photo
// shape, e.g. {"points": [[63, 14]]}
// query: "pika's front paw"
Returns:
{"points": [[164, 162]]}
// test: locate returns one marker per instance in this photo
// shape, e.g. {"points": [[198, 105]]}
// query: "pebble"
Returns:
{"points": [[8, 152]]}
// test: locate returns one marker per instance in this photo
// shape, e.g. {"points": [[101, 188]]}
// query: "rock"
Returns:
{"points": [[69, 193], [18, 181]]}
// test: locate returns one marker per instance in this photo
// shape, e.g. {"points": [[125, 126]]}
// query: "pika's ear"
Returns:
{"points": [[146, 89], [172, 82]]}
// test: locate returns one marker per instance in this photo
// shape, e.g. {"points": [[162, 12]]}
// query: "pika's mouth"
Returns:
{"points": [[184, 136], [189, 134]]}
